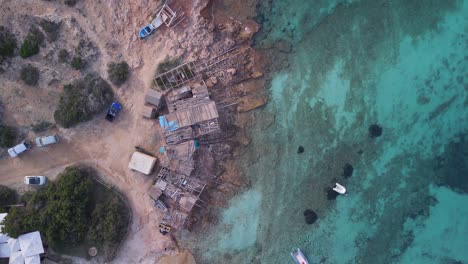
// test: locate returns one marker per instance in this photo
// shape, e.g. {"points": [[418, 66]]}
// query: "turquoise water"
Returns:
{"points": [[341, 66]]}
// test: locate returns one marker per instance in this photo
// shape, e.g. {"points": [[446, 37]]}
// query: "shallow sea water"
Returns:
{"points": [[401, 64]]}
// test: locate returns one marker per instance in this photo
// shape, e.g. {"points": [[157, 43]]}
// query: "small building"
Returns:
{"points": [[142, 163], [184, 167], [154, 98], [202, 113], [187, 202], [179, 136], [179, 94], [181, 151], [149, 111], [154, 192]]}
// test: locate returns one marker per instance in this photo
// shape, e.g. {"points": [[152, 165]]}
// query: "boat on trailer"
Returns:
{"points": [[299, 257]]}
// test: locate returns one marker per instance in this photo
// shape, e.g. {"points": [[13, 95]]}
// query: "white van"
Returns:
{"points": [[47, 140], [18, 149]]}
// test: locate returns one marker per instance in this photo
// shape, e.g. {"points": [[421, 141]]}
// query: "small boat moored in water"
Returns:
{"points": [[339, 189], [299, 257]]}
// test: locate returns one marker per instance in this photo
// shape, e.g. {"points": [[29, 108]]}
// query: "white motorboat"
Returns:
{"points": [[299, 257], [339, 189]]}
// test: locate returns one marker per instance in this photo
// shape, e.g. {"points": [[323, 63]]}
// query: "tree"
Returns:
{"points": [[82, 99], [77, 63], [7, 43], [64, 216], [20, 221], [30, 75], [51, 28], [118, 72], [108, 221], [7, 136], [31, 43], [7, 197]]}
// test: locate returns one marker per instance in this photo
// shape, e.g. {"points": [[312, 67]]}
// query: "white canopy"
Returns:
{"points": [[14, 245], [35, 259], [4, 250], [31, 244], [16, 258], [142, 163]]}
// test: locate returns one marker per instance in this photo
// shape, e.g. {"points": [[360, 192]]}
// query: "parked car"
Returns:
{"points": [[18, 149], [47, 140], [113, 111], [35, 180]]}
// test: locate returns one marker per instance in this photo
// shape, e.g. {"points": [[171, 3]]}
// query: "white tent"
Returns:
{"points": [[31, 244], [142, 163], [32, 260], [14, 245], [16, 258], [4, 250]]}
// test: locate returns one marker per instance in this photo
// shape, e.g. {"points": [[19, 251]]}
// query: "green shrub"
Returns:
{"points": [[7, 43], [7, 136], [108, 221], [118, 72], [31, 43], [63, 55], [168, 64], [65, 210], [30, 75], [71, 213], [51, 28], [20, 221], [77, 63], [7, 196], [70, 2], [41, 126], [82, 99]]}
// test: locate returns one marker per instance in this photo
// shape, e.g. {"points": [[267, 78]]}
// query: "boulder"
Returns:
{"points": [[310, 216], [375, 131], [300, 150], [348, 170]]}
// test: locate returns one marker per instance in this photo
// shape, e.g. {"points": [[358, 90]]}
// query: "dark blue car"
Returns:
{"points": [[113, 111]]}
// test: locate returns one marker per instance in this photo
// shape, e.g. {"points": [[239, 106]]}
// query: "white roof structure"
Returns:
{"points": [[31, 244], [4, 250], [35, 259], [14, 245], [142, 163], [16, 258]]}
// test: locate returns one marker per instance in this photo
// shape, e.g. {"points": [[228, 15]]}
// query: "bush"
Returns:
{"points": [[77, 63], [71, 213], [65, 210], [7, 136], [70, 2], [108, 221], [30, 75], [63, 55], [31, 43], [7, 43], [118, 72], [41, 126], [7, 196], [51, 28], [82, 99], [168, 64], [20, 221]]}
